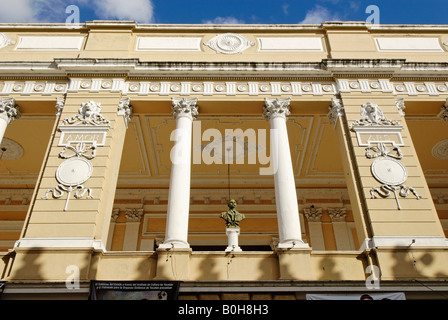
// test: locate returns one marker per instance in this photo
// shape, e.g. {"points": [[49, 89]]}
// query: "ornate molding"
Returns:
{"points": [[88, 114], [183, 107], [276, 108], [336, 110], [313, 214], [126, 110], [372, 115], [9, 111], [229, 43], [60, 102]]}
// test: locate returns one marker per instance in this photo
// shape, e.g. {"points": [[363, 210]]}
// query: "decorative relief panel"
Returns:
{"points": [[386, 169], [80, 136]]}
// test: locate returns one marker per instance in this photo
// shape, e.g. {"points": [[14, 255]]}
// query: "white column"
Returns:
{"points": [[276, 111], [9, 111], [185, 111]]}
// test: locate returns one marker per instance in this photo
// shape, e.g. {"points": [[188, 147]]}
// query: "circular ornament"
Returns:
{"points": [[389, 171], [440, 150], [306, 88], [74, 171], [421, 88]]}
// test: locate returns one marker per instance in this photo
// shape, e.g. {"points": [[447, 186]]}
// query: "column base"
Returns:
{"points": [[295, 263], [289, 244], [174, 244], [173, 264]]}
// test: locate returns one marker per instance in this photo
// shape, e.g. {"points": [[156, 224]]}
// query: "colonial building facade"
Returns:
{"points": [[122, 144]]}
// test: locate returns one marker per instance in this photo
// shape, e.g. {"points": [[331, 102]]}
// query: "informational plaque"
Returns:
{"points": [[134, 290]]}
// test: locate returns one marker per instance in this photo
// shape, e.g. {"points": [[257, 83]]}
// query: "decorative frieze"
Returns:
{"points": [[226, 88]]}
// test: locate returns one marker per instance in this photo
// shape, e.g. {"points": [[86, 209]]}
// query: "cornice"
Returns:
{"points": [[328, 70]]}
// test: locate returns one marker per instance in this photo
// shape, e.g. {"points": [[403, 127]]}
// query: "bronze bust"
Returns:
{"points": [[232, 216]]}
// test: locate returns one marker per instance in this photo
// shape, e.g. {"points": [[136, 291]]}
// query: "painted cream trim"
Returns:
{"points": [[290, 44], [59, 243], [404, 241], [408, 44], [50, 43], [168, 44]]}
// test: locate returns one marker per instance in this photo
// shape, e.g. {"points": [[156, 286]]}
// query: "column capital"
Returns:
{"points": [[443, 114], [335, 110], [133, 214], [9, 111], [313, 214], [337, 214], [183, 107], [276, 108], [126, 110]]}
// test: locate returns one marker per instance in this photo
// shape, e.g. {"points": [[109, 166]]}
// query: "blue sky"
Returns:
{"points": [[227, 11]]}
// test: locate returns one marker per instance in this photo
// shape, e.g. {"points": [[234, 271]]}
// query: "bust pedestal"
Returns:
{"points": [[232, 234]]}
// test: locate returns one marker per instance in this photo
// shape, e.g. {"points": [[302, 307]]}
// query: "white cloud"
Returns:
{"points": [[319, 14], [224, 20], [138, 10], [17, 11], [23, 11]]}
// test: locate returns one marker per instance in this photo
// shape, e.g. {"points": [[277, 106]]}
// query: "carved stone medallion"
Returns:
{"points": [[229, 43], [389, 171], [74, 171]]}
